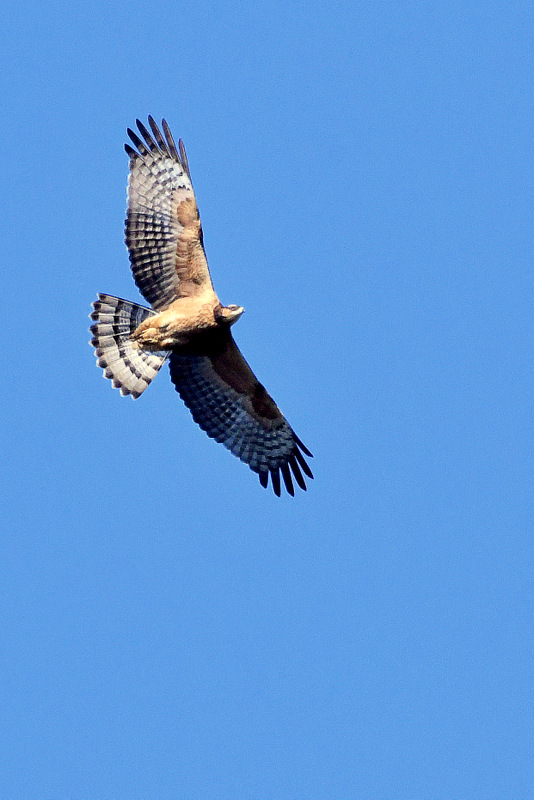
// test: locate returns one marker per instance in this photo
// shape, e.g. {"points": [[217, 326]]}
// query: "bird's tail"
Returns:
{"points": [[129, 368]]}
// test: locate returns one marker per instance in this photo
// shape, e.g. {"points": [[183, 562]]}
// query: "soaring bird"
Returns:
{"points": [[187, 324]]}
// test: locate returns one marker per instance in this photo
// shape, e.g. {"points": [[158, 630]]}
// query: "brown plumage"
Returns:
{"points": [[187, 323]]}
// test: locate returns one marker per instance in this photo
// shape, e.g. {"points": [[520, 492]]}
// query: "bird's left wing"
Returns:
{"points": [[163, 230], [228, 402]]}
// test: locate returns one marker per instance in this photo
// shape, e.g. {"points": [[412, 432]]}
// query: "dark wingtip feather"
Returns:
{"points": [[275, 478], [264, 479], [137, 141], [146, 136], [170, 140], [302, 463], [286, 474], [297, 473], [183, 157], [131, 152], [302, 446], [157, 134]]}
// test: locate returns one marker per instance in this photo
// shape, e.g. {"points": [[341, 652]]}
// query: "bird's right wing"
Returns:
{"points": [[228, 402], [163, 230]]}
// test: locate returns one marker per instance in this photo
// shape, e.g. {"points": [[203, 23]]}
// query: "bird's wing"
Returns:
{"points": [[228, 402], [163, 230]]}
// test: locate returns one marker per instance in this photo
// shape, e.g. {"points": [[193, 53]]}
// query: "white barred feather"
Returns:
{"points": [[131, 370]]}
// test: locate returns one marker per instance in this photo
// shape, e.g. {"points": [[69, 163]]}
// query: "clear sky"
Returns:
{"points": [[168, 629]]}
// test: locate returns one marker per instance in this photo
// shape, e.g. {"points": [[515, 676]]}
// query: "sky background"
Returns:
{"points": [[168, 629]]}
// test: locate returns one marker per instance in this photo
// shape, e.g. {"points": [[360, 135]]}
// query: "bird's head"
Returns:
{"points": [[229, 314]]}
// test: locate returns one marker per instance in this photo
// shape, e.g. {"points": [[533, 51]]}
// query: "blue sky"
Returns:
{"points": [[168, 629]]}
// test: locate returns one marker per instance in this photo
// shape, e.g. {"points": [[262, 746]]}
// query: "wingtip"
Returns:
{"points": [[302, 445], [275, 480], [170, 140], [302, 463], [288, 482]]}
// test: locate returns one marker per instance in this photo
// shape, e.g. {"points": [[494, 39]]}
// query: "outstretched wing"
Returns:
{"points": [[228, 402], [163, 230]]}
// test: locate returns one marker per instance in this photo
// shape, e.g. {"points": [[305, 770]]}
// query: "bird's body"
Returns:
{"points": [[181, 323], [187, 323]]}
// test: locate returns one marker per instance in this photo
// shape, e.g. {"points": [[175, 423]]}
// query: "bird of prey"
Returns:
{"points": [[187, 324]]}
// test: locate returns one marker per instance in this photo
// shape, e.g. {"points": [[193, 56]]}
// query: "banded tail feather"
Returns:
{"points": [[131, 370]]}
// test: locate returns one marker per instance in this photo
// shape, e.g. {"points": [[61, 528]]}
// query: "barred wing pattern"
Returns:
{"points": [[228, 402], [163, 231]]}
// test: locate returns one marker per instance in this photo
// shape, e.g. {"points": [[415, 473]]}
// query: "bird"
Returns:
{"points": [[186, 323]]}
